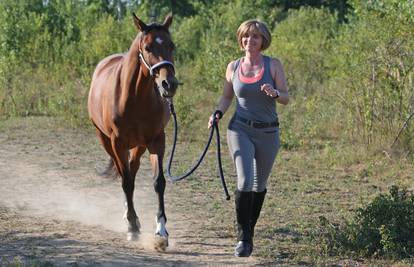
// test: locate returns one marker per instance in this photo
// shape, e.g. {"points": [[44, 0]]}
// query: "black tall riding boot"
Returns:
{"points": [[243, 201], [258, 198]]}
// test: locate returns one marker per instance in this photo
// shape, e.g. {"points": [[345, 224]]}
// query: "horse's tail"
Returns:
{"points": [[109, 171]]}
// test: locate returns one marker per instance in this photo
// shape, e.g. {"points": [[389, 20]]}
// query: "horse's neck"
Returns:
{"points": [[134, 83]]}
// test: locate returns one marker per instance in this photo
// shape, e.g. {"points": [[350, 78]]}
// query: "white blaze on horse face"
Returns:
{"points": [[159, 40], [161, 230]]}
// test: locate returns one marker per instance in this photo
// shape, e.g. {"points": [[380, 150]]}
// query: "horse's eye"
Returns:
{"points": [[147, 48]]}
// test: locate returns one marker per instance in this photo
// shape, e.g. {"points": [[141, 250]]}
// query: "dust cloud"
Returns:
{"points": [[78, 196]]}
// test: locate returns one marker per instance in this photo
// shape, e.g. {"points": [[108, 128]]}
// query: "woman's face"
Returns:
{"points": [[252, 41]]}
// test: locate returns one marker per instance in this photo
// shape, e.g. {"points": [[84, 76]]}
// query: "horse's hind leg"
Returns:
{"points": [[156, 150], [110, 169], [128, 184]]}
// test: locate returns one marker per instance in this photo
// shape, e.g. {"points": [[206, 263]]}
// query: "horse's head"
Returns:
{"points": [[156, 54]]}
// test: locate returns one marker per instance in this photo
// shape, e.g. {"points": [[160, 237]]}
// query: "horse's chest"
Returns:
{"points": [[140, 128], [143, 133]]}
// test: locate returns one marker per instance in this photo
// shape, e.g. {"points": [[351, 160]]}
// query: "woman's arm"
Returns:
{"points": [[278, 75], [280, 93], [228, 93], [227, 96]]}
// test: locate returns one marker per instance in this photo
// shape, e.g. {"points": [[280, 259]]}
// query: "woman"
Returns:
{"points": [[258, 81]]}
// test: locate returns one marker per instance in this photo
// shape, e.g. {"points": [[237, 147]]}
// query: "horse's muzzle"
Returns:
{"points": [[168, 87]]}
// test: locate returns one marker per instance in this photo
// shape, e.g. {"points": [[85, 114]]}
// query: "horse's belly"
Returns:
{"points": [[102, 92], [139, 131]]}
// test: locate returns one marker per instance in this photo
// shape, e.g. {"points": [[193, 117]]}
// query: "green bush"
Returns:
{"points": [[303, 42], [372, 69], [383, 228], [348, 82]]}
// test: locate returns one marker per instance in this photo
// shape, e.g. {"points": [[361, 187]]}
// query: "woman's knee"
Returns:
{"points": [[244, 185], [259, 188]]}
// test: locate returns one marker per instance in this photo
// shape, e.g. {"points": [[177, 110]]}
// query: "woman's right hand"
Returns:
{"points": [[217, 115]]}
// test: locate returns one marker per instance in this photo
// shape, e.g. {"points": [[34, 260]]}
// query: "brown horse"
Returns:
{"points": [[127, 104]]}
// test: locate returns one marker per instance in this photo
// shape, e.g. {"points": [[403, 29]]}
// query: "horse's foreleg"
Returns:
{"points": [[157, 149], [128, 184], [135, 158]]}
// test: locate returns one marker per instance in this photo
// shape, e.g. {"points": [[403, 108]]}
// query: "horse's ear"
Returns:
{"points": [[141, 26], [168, 20]]}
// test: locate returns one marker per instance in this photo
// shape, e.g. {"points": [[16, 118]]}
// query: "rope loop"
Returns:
{"points": [[213, 129]]}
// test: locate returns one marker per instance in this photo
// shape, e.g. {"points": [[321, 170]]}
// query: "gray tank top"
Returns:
{"points": [[252, 103]]}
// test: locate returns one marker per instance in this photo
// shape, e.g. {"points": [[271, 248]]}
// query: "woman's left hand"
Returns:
{"points": [[269, 90]]}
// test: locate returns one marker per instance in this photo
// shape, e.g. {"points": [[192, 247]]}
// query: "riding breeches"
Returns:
{"points": [[253, 151]]}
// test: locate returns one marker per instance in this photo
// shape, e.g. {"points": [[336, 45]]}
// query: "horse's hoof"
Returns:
{"points": [[132, 236], [160, 243]]}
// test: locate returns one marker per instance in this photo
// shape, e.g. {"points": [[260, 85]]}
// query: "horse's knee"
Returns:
{"points": [[128, 183], [159, 184]]}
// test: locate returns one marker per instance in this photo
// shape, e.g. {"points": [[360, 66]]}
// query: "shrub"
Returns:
{"points": [[383, 228], [372, 67], [303, 42]]}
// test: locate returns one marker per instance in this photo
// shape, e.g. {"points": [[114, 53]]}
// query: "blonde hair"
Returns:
{"points": [[257, 26]]}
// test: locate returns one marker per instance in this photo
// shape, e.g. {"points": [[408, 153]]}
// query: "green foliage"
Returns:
{"points": [[158, 9], [48, 54], [188, 38], [302, 42], [347, 81], [373, 65], [218, 42], [383, 228]]}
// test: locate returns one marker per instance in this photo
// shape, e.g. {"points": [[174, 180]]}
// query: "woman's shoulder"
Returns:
{"points": [[274, 61], [275, 64], [231, 68], [276, 69], [233, 64]]}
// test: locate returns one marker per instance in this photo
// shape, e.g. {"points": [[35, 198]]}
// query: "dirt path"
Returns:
{"points": [[54, 209]]}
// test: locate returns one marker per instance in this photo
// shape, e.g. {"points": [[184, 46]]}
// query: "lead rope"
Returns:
{"points": [[214, 128]]}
